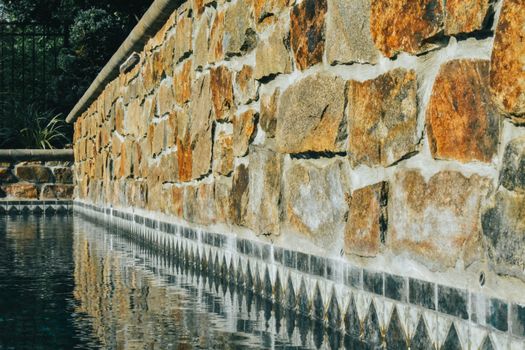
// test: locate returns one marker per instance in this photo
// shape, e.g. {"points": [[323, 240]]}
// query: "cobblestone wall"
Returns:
{"points": [[36, 180], [389, 131]]}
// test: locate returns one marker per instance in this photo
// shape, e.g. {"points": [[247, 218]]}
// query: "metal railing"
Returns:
{"points": [[29, 55]]}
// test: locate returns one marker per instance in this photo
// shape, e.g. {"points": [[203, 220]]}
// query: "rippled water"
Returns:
{"points": [[66, 283]]}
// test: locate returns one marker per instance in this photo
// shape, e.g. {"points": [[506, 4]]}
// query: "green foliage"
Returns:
{"points": [[31, 127], [94, 31]]}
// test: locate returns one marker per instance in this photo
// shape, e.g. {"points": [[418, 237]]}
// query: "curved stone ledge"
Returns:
{"points": [[374, 306], [44, 155]]}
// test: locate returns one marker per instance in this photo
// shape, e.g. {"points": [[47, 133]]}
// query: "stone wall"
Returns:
{"points": [[36, 180], [387, 131]]}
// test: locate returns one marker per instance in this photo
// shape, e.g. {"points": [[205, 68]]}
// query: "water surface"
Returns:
{"points": [[66, 283]]}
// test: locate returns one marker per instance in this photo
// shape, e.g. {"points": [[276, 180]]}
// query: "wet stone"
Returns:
{"points": [[382, 118], [310, 116], [348, 37], [405, 26], [244, 127], [57, 191], [239, 195], [222, 92], [20, 190], [507, 76], [307, 37], [6, 176], [463, 123]]}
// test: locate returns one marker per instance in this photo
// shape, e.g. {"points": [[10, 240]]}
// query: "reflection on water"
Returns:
{"points": [[67, 283]]}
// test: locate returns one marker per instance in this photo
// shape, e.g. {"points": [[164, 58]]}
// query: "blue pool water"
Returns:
{"points": [[66, 283]]}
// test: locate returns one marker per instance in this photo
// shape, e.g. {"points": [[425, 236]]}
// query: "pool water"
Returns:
{"points": [[67, 283]]}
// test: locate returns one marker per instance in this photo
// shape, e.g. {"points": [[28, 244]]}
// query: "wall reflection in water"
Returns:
{"points": [[138, 298]]}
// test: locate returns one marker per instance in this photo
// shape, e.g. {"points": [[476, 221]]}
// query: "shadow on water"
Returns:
{"points": [[68, 283]]}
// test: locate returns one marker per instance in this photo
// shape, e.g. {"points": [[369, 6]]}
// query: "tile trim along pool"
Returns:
{"points": [[373, 305]]}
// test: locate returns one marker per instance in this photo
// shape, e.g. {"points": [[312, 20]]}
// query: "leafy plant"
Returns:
{"points": [[30, 127]]}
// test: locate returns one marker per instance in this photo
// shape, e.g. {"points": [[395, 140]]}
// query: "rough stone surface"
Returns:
{"points": [[183, 38], [223, 191], [21, 190], [512, 175], [262, 213], [62, 175], [405, 25], [201, 128], [222, 92], [314, 200], [348, 36], [57, 191], [466, 16], [165, 99], [504, 231], [507, 75], [437, 221], [272, 56], [216, 50], [223, 154], [382, 118], [246, 87], [34, 173], [244, 126], [310, 116], [199, 204], [266, 11], [268, 115], [200, 56], [462, 121], [367, 224], [240, 194], [307, 36], [182, 80], [239, 32]]}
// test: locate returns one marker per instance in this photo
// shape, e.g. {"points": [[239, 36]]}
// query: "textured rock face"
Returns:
{"points": [[507, 75], [314, 200], [240, 194], [512, 175], [462, 121], [244, 126], [405, 25], [223, 191], [21, 190], [262, 214], [246, 87], [183, 38], [6, 176], [222, 92], [382, 118], [266, 11], [200, 128], [310, 116], [239, 32], [199, 204], [34, 173], [272, 56], [465, 16], [504, 231], [366, 228], [62, 175], [216, 35], [57, 191], [348, 36], [307, 36], [268, 116], [437, 220], [223, 154], [182, 83]]}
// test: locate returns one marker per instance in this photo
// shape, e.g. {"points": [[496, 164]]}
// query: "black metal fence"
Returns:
{"points": [[29, 55]]}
